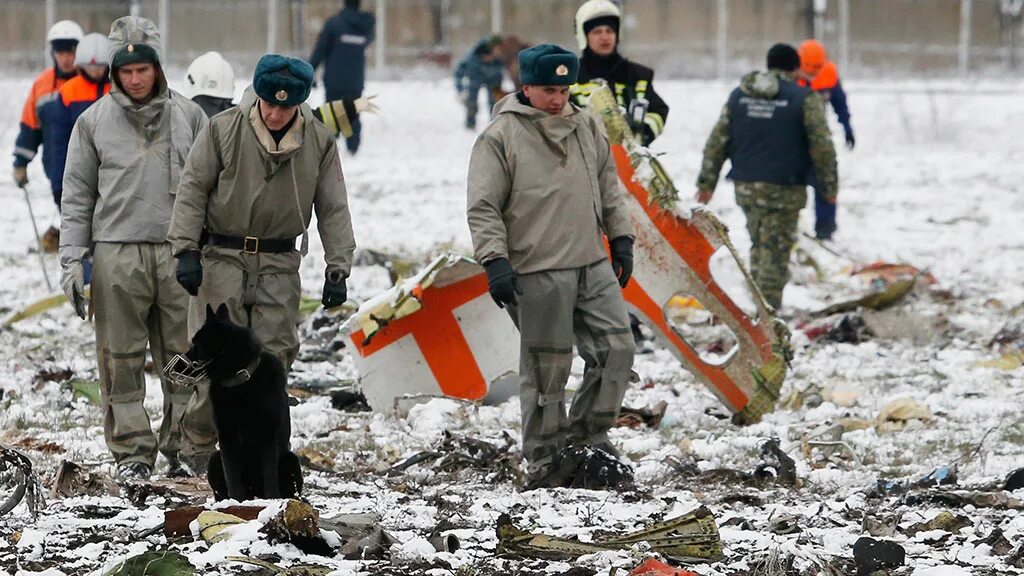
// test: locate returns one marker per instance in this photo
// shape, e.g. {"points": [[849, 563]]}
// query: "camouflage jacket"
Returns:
{"points": [[820, 146]]}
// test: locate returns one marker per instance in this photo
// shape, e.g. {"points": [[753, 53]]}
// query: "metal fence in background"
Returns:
{"points": [[680, 38]]}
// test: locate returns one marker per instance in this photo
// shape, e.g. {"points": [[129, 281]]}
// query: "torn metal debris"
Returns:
{"points": [[435, 334], [691, 537], [19, 480], [673, 255]]}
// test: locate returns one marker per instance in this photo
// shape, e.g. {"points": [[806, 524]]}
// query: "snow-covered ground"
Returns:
{"points": [[935, 182]]}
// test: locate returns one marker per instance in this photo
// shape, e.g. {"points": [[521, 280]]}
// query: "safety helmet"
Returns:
{"points": [[812, 56], [590, 10], [92, 50], [65, 30], [210, 75]]}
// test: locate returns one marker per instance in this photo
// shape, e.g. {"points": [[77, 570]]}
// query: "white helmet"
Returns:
{"points": [[590, 10], [65, 30], [209, 75], [92, 50]]}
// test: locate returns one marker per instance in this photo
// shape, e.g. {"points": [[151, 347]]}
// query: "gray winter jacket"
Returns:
{"points": [[543, 189], [124, 160]]}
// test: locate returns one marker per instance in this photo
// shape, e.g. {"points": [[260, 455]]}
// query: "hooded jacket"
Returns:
{"points": [[239, 182], [125, 159], [543, 189], [341, 48]]}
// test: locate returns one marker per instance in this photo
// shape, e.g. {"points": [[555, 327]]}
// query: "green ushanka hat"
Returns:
{"points": [[548, 65], [282, 80]]}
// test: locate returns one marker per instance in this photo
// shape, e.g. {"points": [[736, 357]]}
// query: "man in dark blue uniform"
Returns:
{"points": [[341, 48]]}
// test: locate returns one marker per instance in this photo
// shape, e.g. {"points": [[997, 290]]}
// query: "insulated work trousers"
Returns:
{"points": [[138, 303], [267, 303], [772, 237], [558, 307]]}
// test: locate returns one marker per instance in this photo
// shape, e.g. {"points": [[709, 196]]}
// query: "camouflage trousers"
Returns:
{"points": [[773, 212], [138, 305], [557, 308], [268, 303]]}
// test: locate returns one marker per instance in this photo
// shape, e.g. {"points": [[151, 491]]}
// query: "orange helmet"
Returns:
{"points": [[827, 77], [812, 56]]}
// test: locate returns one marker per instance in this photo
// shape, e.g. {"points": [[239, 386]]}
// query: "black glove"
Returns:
{"points": [[646, 135], [335, 291], [190, 271], [622, 259], [850, 140], [503, 282]]}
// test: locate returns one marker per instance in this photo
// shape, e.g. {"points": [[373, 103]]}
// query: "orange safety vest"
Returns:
{"points": [[44, 90]]}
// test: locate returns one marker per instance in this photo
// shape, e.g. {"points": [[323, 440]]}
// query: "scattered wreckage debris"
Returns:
{"points": [[437, 333], [902, 413], [154, 563], [270, 569], [870, 555], [590, 469], [650, 417], [73, 479], [878, 300], [888, 273], [673, 258], [349, 401], [1014, 480], [176, 521], [33, 309], [313, 459], [18, 479], [362, 536], [944, 521], [499, 463], [654, 567], [692, 537], [776, 466]]}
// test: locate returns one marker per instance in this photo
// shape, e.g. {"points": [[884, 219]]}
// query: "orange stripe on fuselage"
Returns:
{"points": [[439, 338], [696, 251]]}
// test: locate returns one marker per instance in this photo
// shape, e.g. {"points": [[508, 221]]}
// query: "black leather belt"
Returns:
{"points": [[253, 245]]}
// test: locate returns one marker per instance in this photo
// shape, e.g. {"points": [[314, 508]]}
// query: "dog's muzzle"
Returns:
{"points": [[184, 372]]}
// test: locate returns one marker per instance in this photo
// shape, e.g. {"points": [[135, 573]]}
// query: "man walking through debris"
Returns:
{"points": [[773, 131], [598, 23], [341, 48], [252, 180], [542, 192], [480, 68], [125, 155], [63, 38], [819, 74]]}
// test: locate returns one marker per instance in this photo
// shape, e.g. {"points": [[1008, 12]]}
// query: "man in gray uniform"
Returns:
{"points": [[124, 160], [543, 192], [252, 181]]}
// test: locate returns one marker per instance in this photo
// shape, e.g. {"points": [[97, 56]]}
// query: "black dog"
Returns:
{"points": [[250, 410]]}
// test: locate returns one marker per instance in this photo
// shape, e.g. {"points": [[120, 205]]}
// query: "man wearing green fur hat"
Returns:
{"points": [[543, 193], [125, 156], [253, 180]]}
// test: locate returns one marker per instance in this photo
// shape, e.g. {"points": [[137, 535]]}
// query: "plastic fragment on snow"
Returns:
{"points": [[898, 414], [653, 567], [19, 480], [213, 525]]}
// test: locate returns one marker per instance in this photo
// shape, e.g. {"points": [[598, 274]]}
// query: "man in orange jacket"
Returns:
{"points": [[59, 116], [821, 76], [63, 38]]}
